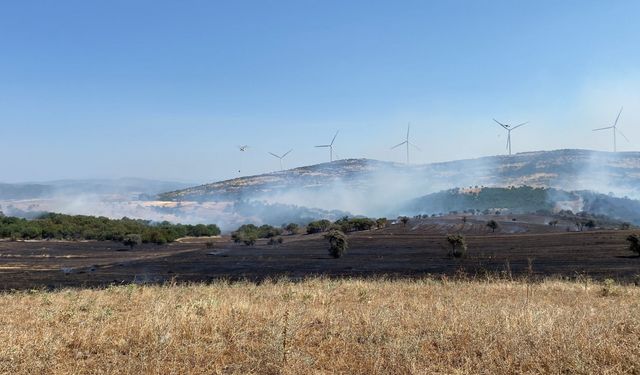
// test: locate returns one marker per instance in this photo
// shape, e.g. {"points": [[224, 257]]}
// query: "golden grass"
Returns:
{"points": [[325, 327]]}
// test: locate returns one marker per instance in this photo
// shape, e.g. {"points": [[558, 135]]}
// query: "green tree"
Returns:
{"points": [[493, 225], [458, 245], [338, 243], [634, 243]]}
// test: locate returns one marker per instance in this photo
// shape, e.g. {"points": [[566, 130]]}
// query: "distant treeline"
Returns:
{"points": [[249, 233], [67, 227]]}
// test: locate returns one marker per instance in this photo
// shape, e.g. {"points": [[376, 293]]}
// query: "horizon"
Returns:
{"points": [[161, 91]]}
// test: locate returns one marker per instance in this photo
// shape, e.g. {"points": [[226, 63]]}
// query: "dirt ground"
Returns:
{"points": [[415, 250]]}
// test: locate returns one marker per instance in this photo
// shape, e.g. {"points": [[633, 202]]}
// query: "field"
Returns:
{"points": [[529, 298], [416, 250], [419, 326]]}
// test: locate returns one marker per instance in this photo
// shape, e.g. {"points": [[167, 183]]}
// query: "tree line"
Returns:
{"points": [[79, 227]]}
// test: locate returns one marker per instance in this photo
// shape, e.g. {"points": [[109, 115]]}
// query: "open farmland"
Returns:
{"points": [[416, 250]]}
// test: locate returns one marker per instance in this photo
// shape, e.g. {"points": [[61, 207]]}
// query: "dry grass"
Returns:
{"points": [[325, 326]]}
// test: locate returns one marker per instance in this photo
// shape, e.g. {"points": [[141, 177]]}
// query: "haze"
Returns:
{"points": [[168, 90]]}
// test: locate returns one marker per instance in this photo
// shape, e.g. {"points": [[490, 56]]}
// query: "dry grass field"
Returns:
{"points": [[324, 326]]}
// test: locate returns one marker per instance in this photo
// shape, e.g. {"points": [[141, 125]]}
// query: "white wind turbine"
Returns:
{"points": [[281, 157], [615, 131], [406, 143], [509, 129], [330, 146]]}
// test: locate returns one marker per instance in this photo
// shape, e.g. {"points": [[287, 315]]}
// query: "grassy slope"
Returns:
{"points": [[323, 326]]}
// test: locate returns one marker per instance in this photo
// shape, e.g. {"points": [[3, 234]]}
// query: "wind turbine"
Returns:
{"points": [[330, 146], [281, 157], [243, 148], [407, 143], [509, 129], [615, 130]]}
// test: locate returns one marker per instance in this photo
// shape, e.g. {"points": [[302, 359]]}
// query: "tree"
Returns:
{"points": [[493, 225], [553, 223], [458, 245], [381, 222], [132, 240], [338, 243], [634, 243], [292, 228], [590, 224], [404, 220]]}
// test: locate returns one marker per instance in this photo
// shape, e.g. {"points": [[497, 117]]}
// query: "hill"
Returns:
{"points": [[563, 169]]}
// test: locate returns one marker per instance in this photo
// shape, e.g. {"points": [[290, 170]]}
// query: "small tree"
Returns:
{"points": [[590, 224], [381, 222], [338, 243], [132, 240], [404, 220], [292, 228], [493, 225], [458, 245], [634, 243]]}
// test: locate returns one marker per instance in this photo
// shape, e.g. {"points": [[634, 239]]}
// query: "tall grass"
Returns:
{"points": [[325, 326]]}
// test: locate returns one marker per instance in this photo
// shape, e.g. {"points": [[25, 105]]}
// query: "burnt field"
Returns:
{"points": [[399, 251]]}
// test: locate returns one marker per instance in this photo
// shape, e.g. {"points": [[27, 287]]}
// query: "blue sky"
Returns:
{"points": [[168, 89]]}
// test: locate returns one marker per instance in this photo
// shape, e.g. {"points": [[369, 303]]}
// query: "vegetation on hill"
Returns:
{"points": [[527, 199], [67, 227]]}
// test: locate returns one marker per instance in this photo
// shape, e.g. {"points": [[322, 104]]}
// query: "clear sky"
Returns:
{"points": [[168, 89]]}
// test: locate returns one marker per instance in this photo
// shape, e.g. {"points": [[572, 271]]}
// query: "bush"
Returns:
{"points": [[292, 228], [338, 243], [354, 224], [318, 226], [634, 243], [132, 240], [382, 223], [404, 220], [458, 245]]}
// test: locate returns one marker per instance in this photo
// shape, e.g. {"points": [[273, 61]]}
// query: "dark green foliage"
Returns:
{"points": [[292, 228], [458, 245], [249, 233], [493, 225], [382, 222], [347, 224], [318, 226], [404, 220], [634, 243], [132, 240], [67, 227], [338, 243]]}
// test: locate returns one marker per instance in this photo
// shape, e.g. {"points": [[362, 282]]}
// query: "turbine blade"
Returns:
{"points": [[408, 127], [324, 146], [517, 126], [288, 152], [398, 145], [275, 155], [501, 124], [609, 127], [334, 137], [622, 134], [414, 146], [618, 118]]}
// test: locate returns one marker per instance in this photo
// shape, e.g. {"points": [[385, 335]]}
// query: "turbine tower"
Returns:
{"points": [[281, 157], [330, 146], [615, 131], [407, 143], [509, 129]]}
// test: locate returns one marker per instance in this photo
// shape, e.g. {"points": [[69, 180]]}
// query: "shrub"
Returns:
{"points": [[292, 228], [634, 243], [338, 243], [404, 220], [458, 245], [132, 240], [382, 222], [318, 226]]}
